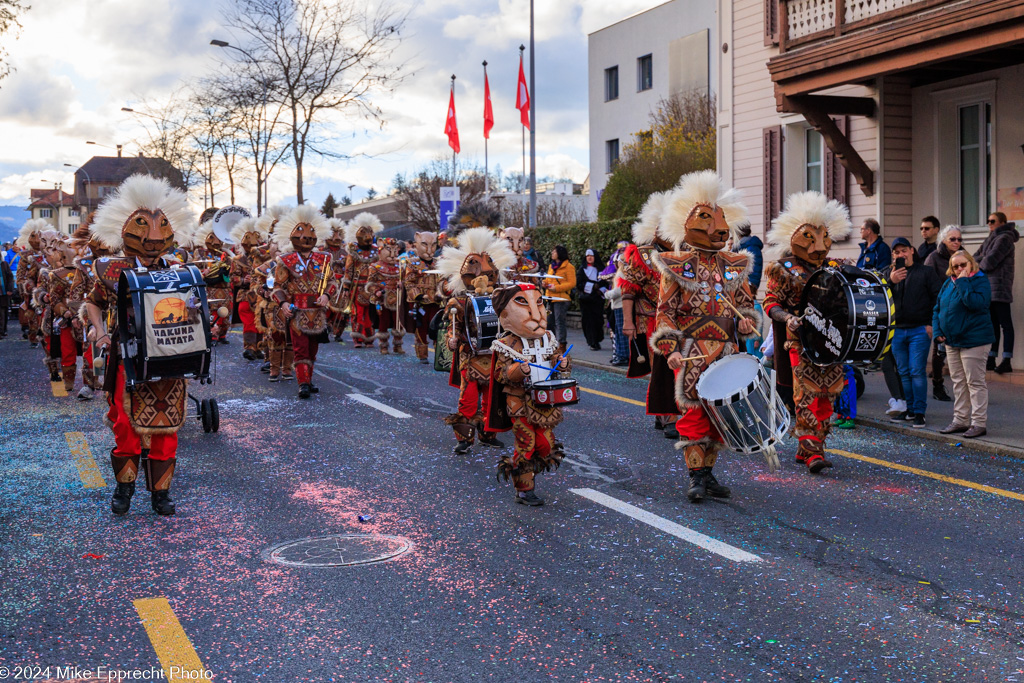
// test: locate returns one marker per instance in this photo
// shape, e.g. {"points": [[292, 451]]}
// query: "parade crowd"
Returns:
{"points": [[680, 298]]}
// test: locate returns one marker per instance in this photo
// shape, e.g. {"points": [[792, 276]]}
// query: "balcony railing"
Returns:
{"points": [[806, 21]]}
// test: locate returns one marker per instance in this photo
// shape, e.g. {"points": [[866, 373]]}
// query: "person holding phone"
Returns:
{"points": [[915, 288]]}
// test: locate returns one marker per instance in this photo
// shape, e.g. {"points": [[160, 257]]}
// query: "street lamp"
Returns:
{"points": [[90, 142]]}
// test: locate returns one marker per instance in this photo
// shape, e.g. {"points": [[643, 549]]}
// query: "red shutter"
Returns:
{"points": [[772, 138], [837, 178], [771, 22]]}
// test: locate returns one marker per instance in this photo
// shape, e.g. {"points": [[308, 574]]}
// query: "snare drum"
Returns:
{"points": [[481, 323], [848, 316], [555, 392], [164, 324], [740, 398]]}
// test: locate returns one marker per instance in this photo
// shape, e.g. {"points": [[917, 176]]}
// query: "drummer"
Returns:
{"points": [[799, 244]]}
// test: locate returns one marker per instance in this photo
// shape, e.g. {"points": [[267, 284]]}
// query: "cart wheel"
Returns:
{"points": [[214, 415], [204, 413], [859, 377]]}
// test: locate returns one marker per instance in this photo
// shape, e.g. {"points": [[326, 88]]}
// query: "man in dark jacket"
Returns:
{"points": [[915, 289], [874, 252], [754, 245], [995, 257], [6, 292], [930, 233]]}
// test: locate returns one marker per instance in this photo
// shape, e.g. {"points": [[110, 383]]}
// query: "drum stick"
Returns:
{"points": [[558, 362], [729, 304], [640, 358]]}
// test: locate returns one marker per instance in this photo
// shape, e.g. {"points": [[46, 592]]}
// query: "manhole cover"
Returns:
{"points": [[341, 550]]}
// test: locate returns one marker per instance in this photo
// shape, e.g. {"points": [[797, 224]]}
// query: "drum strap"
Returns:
{"points": [[711, 327]]}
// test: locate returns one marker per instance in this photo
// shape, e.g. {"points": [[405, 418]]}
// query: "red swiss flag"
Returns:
{"points": [[488, 112], [523, 97], [451, 128]]}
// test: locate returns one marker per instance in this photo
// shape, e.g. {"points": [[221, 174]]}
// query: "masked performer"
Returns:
{"points": [[524, 266], [89, 249], [422, 290], [247, 235], [695, 326], [799, 242], [50, 257], [471, 269], [30, 263], [639, 281], [361, 257], [216, 266], [143, 219], [335, 246], [515, 358], [303, 287], [270, 322], [383, 289]]}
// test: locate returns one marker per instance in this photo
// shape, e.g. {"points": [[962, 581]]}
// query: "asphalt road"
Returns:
{"points": [[867, 573]]}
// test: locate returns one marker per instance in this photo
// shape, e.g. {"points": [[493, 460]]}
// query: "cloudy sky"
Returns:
{"points": [[78, 63]]}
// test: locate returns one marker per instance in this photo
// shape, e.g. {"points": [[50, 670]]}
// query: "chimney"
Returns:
{"points": [[119, 151]]}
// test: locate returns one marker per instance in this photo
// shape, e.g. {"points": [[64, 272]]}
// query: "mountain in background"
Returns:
{"points": [[11, 220]]}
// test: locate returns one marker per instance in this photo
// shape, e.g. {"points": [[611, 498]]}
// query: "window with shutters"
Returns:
{"points": [[772, 174], [814, 161]]}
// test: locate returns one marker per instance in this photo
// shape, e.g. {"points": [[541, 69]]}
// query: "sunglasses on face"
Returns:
{"points": [[955, 239], [959, 266], [991, 221]]}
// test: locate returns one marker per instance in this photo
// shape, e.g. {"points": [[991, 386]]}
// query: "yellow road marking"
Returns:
{"points": [[613, 396], [177, 656], [58, 389], [930, 475], [87, 468]]}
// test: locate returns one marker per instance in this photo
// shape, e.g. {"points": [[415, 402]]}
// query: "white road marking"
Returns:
{"points": [[379, 406], [669, 527]]}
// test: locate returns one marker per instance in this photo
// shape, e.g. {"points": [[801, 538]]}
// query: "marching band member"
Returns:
{"points": [[30, 263], [422, 290], [799, 243], [525, 354], [248, 236], [66, 292], [269, 322], [142, 218], [383, 288], [303, 287], [90, 249], [473, 267], [362, 254], [695, 325], [50, 250], [524, 266], [210, 248], [335, 246]]}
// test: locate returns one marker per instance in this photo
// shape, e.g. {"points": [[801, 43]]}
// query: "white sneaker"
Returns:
{"points": [[896, 406]]}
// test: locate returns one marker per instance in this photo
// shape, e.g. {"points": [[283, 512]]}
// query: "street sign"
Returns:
{"points": [[449, 204]]}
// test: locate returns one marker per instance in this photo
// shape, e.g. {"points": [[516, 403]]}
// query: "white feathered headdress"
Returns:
{"points": [[474, 241], [646, 227], [246, 225], [362, 220], [265, 222], [142, 192], [304, 213], [702, 187], [807, 208], [338, 227], [201, 233], [32, 225]]}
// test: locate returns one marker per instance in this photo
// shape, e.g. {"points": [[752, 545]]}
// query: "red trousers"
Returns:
{"points": [[67, 349], [127, 442], [531, 440], [248, 318], [362, 326], [472, 395], [694, 423]]}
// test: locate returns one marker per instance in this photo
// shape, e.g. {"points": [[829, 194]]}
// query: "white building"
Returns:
{"points": [[637, 62]]}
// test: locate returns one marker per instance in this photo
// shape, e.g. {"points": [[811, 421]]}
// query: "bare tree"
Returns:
{"points": [[420, 198], [9, 11], [321, 56], [551, 210], [169, 137]]}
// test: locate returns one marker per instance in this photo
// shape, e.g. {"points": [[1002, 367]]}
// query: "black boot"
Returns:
{"points": [[670, 431], [713, 487], [990, 364], [698, 486], [304, 391], [122, 499], [54, 376], [1004, 367], [529, 498], [939, 392], [248, 354], [161, 502], [490, 439], [314, 388], [265, 368], [462, 447]]}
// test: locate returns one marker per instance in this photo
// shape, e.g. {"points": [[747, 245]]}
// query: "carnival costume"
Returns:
{"points": [[694, 325], [335, 246], [248, 236], [523, 266], [216, 266], [525, 354], [270, 322], [51, 255], [422, 290], [361, 257], [799, 243], [384, 291], [143, 218], [303, 287], [30, 263], [471, 268]]}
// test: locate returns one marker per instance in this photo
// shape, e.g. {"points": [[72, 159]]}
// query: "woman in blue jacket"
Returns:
{"points": [[961, 321]]}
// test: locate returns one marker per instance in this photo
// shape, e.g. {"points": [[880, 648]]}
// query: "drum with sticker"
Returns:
{"points": [[847, 316]]}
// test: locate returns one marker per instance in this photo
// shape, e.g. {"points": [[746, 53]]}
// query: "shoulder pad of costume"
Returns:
{"points": [[734, 258], [289, 259], [673, 259]]}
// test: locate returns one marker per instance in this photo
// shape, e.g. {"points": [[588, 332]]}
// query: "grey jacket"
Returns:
{"points": [[995, 257]]}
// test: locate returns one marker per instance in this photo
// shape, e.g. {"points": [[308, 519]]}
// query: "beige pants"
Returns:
{"points": [[970, 390]]}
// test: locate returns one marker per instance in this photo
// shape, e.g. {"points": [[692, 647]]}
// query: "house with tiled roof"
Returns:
{"points": [[100, 176], [56, 206]]}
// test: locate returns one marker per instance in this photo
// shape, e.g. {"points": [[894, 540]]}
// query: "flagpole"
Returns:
{"points": [[533, 132], [487, 177], [455, 177]]}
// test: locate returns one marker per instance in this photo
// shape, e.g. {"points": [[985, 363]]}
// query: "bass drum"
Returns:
{"points": [[848, 316], [481, 323]]}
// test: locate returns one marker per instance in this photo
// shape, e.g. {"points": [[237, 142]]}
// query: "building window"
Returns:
{"points": [[46, 213], [975, 163], [814, 155], [611, 148], [611, 84], [105, 190], [644, 73], [72, 227], [73, 212]]}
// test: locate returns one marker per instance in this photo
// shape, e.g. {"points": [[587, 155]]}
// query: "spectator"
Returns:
{"points": [[531, 253], [995, 258], [590, 289], [961, 321], [620, 356], [949, 242], [930, 233], [6, 253], [6, 292], [753, 245], [915, 289], [559, 289], [874, 252], [442, 241]]}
